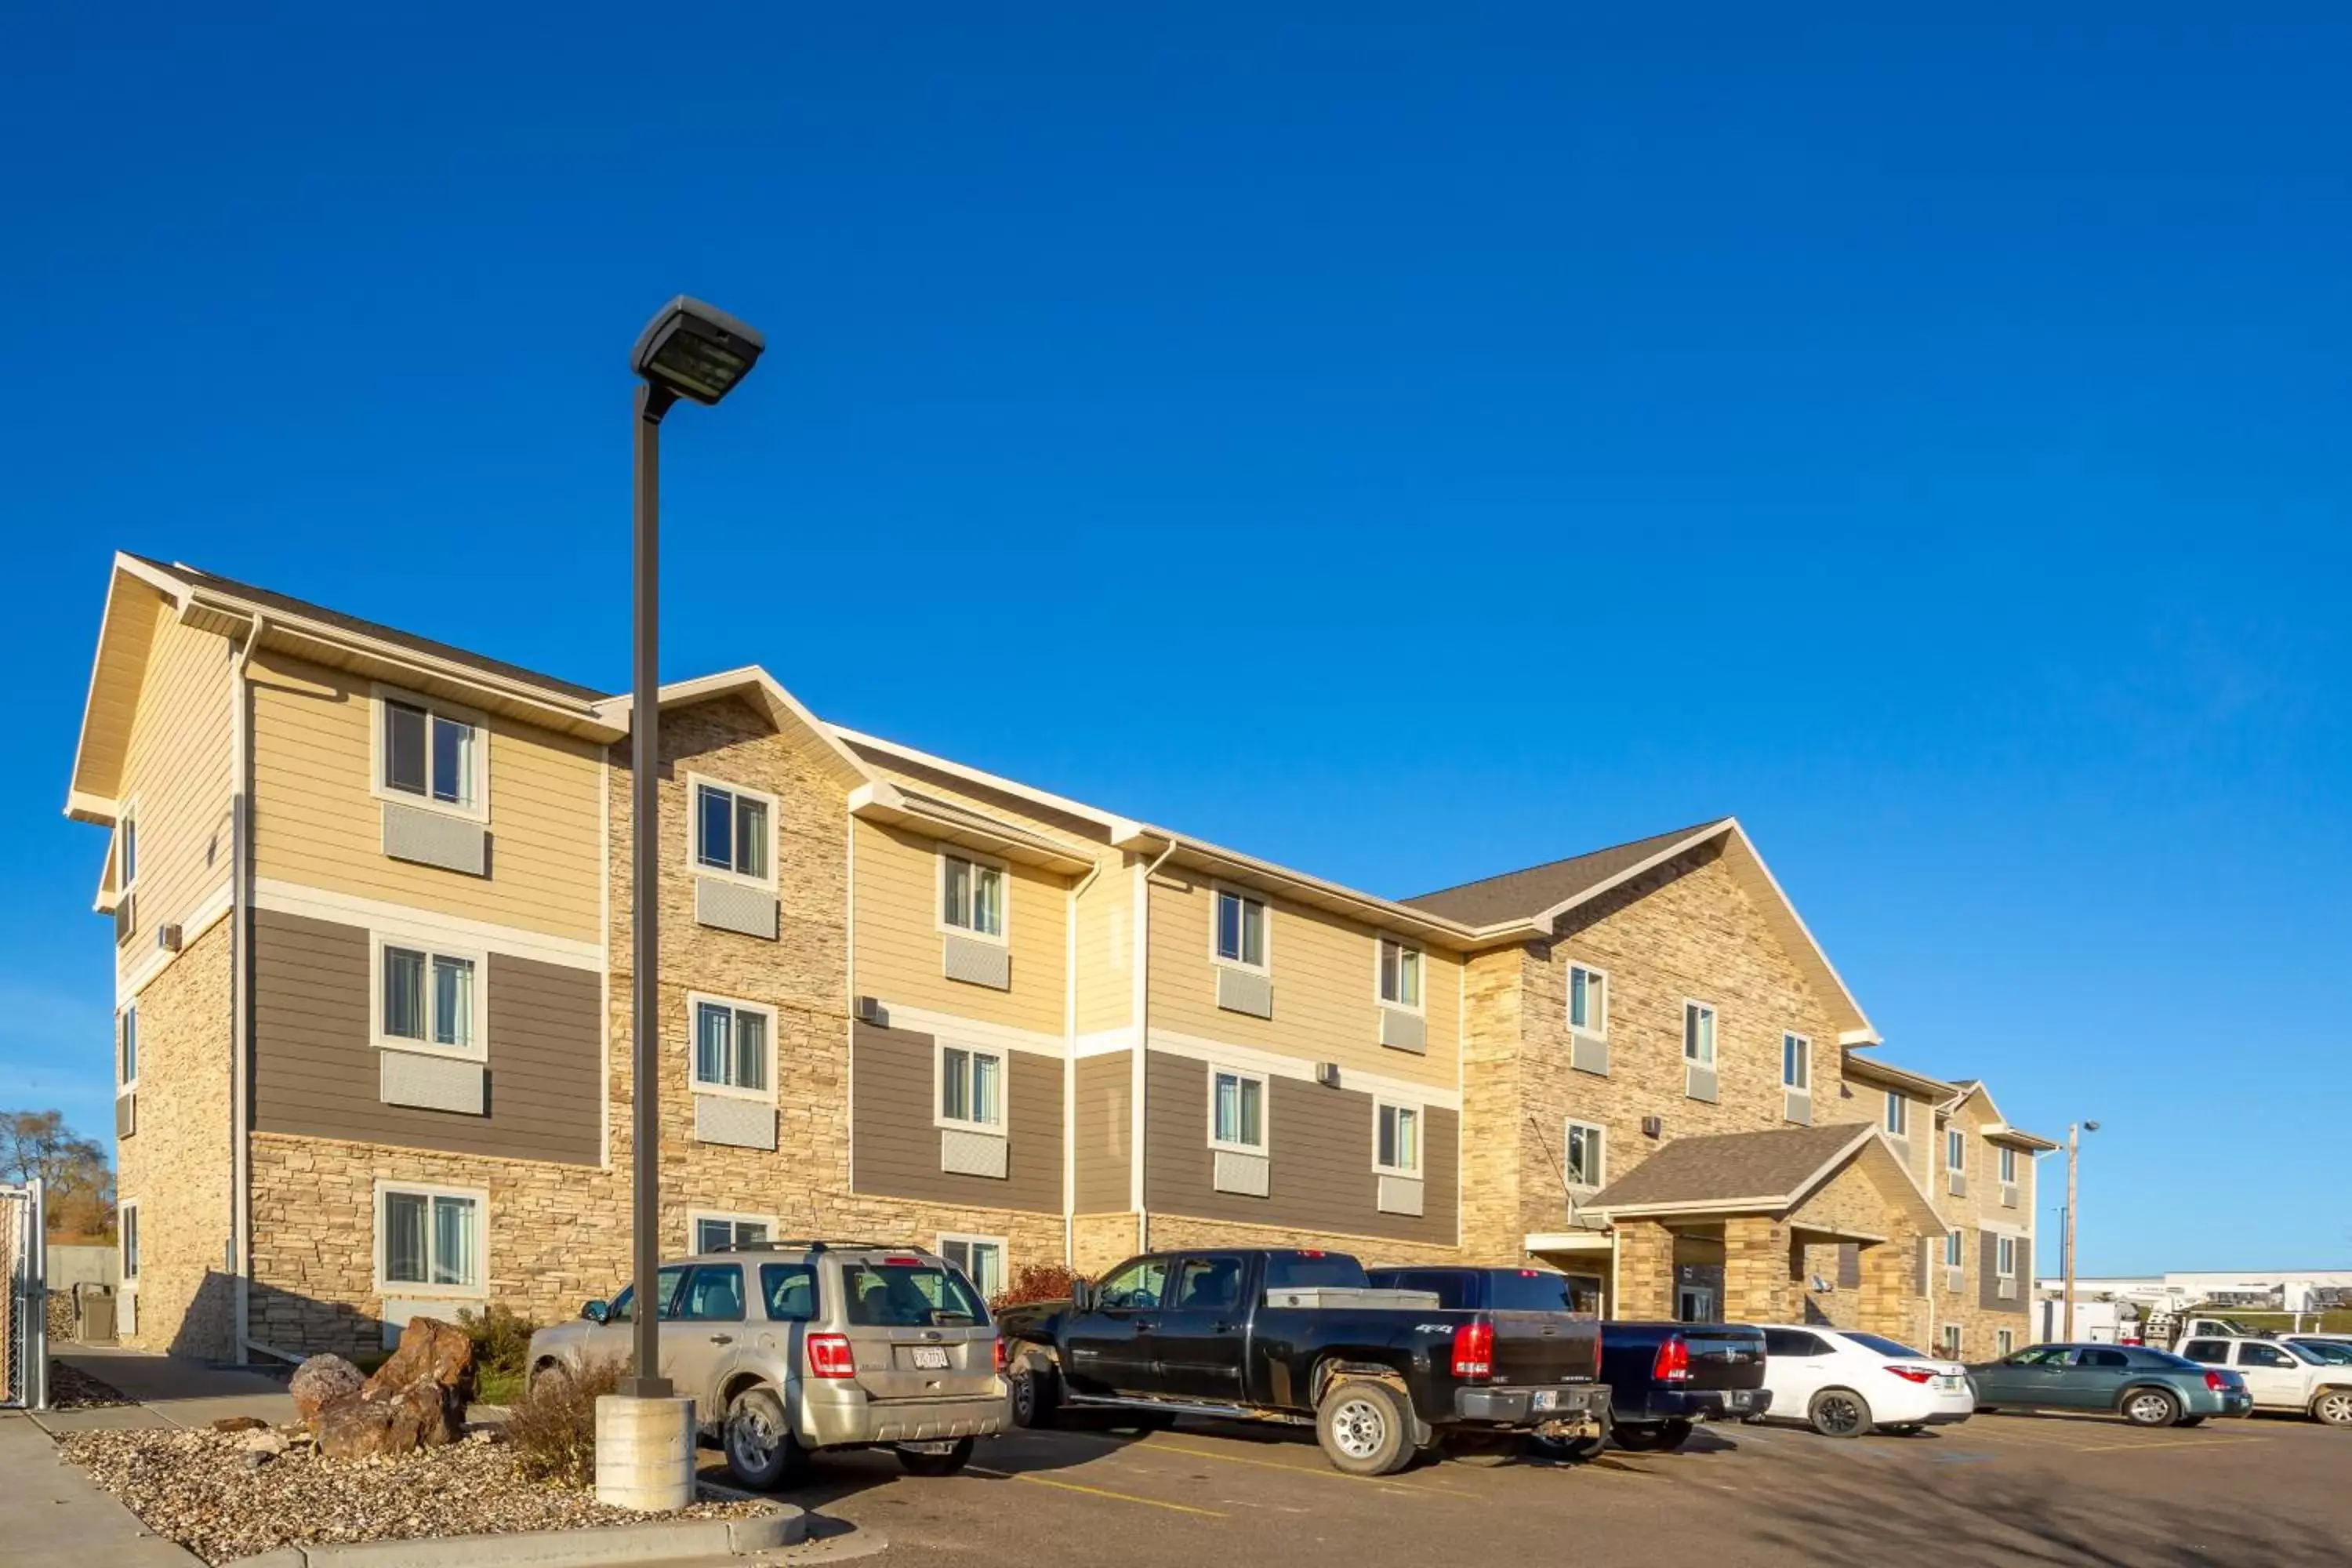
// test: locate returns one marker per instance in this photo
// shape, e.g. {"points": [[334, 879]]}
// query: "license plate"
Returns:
{"points": [[1947, 1383], [930, 1358], [1736, 1399], [1546, 1398]]}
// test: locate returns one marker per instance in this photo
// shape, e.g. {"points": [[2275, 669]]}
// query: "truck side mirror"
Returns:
{"points": [[596, 1311]]}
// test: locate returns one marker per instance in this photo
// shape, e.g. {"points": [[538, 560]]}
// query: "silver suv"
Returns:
{"points": [[794, 1346]]}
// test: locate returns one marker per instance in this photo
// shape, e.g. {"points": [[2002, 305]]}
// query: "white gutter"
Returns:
{"points": [[1070, 1067], [240, 989], [1137, 1076]]}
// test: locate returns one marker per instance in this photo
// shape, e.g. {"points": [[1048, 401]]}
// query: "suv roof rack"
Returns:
{"points": [[812, 1244]]}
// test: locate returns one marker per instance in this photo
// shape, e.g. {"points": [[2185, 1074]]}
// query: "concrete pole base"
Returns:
{"points": [[644, 1453]]}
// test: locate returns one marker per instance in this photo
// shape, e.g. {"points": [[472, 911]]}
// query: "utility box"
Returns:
{"points": [[94, 1314]]}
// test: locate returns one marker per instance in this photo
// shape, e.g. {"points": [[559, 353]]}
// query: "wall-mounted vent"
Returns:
{"points": [[1328, 1074], [167, 938], [871, 1013], [1654, 1126]]}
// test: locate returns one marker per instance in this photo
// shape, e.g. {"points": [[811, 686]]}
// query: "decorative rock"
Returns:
{"points": [[428, 1348], [379, 1428], [319, 1381], [266, 1440], [240, 1424]]}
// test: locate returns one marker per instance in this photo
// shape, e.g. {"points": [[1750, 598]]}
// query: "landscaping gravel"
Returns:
{"points": [[214, 1495], [71, 1389]]}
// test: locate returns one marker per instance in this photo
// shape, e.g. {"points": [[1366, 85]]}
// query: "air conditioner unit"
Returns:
{"points": [[870, 1011], [1654, 1126], [167, 938], [1328, 1074]]}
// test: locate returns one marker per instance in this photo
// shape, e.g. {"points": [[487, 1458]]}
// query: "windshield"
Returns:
{"points": [[1541, 1291], [2328, 1351], [2307, 1353], [1307, 1270], [1883, 1347], [909, 1295]]}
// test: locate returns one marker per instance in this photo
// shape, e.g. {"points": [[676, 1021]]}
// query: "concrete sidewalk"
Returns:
{"points": [[54, 1516], [170, 1391]]}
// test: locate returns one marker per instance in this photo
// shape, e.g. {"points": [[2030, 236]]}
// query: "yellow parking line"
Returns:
{"points": [[1330, 1474], [2012, 1435], [2166, 1442], [1098, 1491]]}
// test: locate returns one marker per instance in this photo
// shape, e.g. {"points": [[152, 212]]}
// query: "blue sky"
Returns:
{"points": [[1405, 442]]}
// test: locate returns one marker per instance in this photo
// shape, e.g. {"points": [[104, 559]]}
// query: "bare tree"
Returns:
{"points": [[72, 1168]]}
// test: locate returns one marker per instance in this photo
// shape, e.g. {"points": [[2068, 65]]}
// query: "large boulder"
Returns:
{"points": [[321, 1381], [429, 1350], [389, 1425]]}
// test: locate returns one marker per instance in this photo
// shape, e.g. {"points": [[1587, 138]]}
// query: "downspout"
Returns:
{"points": [[240, 908], [1070, 1069], [1136, 1075]]}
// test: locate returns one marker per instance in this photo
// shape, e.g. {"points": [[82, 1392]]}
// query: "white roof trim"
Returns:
{"points": [[753, 680], [1062, 804]]}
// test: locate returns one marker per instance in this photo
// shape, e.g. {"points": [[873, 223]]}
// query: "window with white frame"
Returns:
{"points": [[1585, 1164], [1399, 975], [1898, 1115], [2004, 1257], [428, 999], [1952, 1341], [1588, 1000], [972, 1087], [1956, 1149], [2008, 1163], [127, 1060], [1237, 1111], [431, 754], [1955, 1249], [1241, 930], [126, 1228], [1396, 1139], [971, 896], [982, 1259], [126, 839], [734, 831], [430, 1237], [1698, 1034], [733, 1044], [729, 1231], [1797, 1063], [2003, 1343]]}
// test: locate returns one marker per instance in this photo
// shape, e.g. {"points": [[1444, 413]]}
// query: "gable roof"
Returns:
{"points": [[1540, 894], [1998, 1128], [1772, 1172], [765, 692]]}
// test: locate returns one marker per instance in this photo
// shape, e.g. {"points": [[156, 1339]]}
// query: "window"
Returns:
{"points": [[127, 1068], [1797, 1063], [2003, 1342], [713, 1294], [1898, 1115], [727, 1232], [1955, 1249], [1956, 1149], [981, 1258], [429, 1000], [1527, 1290], [2008, 1165], [1698, 1034], [1241, 928], [889, 1295], [732, 1046], [2263, 1355], [1781, 1342], [666, 1287], [1585, 1147], [2212, 1352], [2004, 1257], [1952, 1341], [2110, 1361], [431, 755], [1884, 1347], [430, 1237], [1399, 975], [1588, 1000], [971, 896], [126, 834], [126, 1223], [1135, 1288], [972, 1087], [1397, 1138], [790, 1291], [1237, 1111], [1208, 1285], [1302, 1270], [734, 831]]}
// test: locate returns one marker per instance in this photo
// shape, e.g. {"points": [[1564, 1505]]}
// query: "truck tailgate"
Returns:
{"points": [[1724, 1357], [1532, 1349]]}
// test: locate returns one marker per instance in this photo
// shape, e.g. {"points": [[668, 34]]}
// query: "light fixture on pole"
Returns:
{"points": [[2074, 1151], [689, 349]]}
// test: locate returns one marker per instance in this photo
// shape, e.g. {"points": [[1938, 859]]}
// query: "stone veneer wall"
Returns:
{"points": [[176, 1163], [1494, 1131]]}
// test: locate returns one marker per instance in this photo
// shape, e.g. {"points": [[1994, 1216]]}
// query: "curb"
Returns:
{"points": [[656, 1543]]}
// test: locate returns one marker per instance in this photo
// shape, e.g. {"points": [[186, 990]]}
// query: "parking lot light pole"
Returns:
{"points": [[2075, 1132]]}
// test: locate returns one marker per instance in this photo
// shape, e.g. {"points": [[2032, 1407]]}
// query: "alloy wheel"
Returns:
{"points": [[2335, 1407], [751, 1441], [2150, 1409], [1840, 1413], [1358, 1428]]}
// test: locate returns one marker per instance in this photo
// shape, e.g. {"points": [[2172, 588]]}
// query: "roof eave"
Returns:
{"points": [[751, 681]]}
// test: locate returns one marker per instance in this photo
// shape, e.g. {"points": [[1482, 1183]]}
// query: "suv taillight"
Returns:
{"points": [[1673, 1364], [1473, 1349], [828, 1357], [2216, 1382], [1000, 1354]]}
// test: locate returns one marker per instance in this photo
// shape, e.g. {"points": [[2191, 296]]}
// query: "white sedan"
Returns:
{"points": [[1844, 1383]]}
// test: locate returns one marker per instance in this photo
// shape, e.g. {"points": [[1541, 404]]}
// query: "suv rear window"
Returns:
{"points": [[1541, 1290], [1307, 1270], [908, 1296]]}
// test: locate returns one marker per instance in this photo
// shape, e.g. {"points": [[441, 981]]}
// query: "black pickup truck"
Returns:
{"points": [[1279, 1334], [1663, 1378]]}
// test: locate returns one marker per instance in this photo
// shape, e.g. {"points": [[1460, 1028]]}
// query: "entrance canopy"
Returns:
{"points": [[1786, 1174]]}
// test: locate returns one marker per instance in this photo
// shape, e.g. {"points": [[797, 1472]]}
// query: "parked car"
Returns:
{"points": [[789, 1347], [1302, 1336], [1845, 1383], [2281, 1376], [1665, 1378], [2327, 1347], [2145, 1387]]}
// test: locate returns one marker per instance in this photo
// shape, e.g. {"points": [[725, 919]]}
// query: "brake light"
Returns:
{"points": [[828, 1357], [1473, 1349], [1912, 1373], [1530, 1273], [907, 1262], [1311, 1254], [1672, 1364], [2216, 1382], [1000, 1353]]}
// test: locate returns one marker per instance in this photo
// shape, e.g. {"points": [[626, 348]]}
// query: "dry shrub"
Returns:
{"points": [[1035, 1282], [502, 1340], [553, 1427]]}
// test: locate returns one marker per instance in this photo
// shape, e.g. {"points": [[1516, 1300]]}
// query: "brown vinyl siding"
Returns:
{"points": [[895, 1145], [1321, 1143], [1103, 1126], [316, 1071]]}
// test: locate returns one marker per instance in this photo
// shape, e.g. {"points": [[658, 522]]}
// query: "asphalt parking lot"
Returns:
{"points": [[2000, 1489]]}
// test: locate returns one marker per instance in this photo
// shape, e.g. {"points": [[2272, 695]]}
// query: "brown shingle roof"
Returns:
{"points": [[1516, 895], [1729, 1165]]}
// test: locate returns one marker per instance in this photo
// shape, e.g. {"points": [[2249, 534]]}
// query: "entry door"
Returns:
{"points": [[1194, 1343], [2273, 1376], [1695, 1304], [1108, 1353]]}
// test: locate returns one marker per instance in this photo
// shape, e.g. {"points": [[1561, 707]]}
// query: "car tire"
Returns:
{"points": [[947, 1463], [547, 1379], [761, 1451], [2190, 1421], [2333, 1407], [1562, 1450], [1904, 1428], [1483, 1450], [2151, 1408], [1839, 1413], [1365, 1425], [1036, 1397], [1652, 1437]]}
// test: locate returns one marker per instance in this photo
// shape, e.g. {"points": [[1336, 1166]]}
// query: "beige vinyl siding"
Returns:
{"points": [[899, 948], [180, 769], [1106, 932], [1081, 836], [317, 822], [895, 1144], [1326, 1003], [1101, 1130], [316, 1070], [1320, 1141]]}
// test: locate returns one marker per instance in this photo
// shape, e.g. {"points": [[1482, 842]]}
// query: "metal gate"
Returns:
{"points": [[24, 1316]]}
